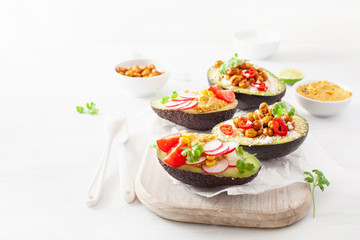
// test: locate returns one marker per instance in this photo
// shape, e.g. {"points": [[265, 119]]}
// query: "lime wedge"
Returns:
{"points": [[290, 76]]}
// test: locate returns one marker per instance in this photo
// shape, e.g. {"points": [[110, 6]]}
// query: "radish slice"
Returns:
{"points": [[202, 159], [188, 106], [232, 158], [212, 146], [171, 104], [179, 106], [232, 146], [181, 99], [188, 95], [219, 167], [224, 149]]}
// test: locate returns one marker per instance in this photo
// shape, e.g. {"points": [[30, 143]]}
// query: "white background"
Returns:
{"points": [[55, 55], [111, 21]]}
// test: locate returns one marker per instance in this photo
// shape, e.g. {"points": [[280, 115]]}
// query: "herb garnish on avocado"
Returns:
{"points": [[233, 62], [241, 165]]}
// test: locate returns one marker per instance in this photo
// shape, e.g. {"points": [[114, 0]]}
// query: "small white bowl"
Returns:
{"points": [[143, 86], [321, 108], [256, 44]]}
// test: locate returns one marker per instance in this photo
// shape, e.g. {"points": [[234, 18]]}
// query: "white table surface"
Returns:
{"points": [[49, 152]]}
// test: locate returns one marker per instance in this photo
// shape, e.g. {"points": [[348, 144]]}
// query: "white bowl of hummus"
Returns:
{"points": [[322, 98]]}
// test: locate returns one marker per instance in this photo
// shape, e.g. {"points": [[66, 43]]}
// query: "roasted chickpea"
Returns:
{"points": [[120, 69], [266, 120], [256, 116], [268, 132], [235, 80], [251, 133], [242, 130], [136, 74], [129, 73], [136, 69], [264, 76], [244, 84], [251, 80], [257, 125], [227, 77], [263, 108], [270, 112], [260, 132], [218, 63], [250, 116], [151, 66], [145, 73], [232, 71], [288, 118], [236, 122], [270, 124]]}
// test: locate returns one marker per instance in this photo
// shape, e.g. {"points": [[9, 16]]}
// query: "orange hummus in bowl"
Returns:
{"points": [[323, 91], [322, 98]]}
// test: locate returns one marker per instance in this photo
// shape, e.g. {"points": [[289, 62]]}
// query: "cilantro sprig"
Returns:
{"points": [[90, 109], [155, 146], [318, 181], [165, 99], [241, 164], [233, 62], [193, 154], [280, 108]]}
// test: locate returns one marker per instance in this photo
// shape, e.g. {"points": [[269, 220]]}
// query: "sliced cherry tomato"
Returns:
{"points": [[260, 86], [248, 73], [174, 157], [215, 88], [279, 127], [166, 143], [226, 129], [226, 95], [244, 123]]}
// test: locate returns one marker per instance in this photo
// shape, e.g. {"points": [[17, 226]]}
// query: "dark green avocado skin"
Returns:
{"points": [[204, 180], [198, 121], [252, 101], [266, 152]]}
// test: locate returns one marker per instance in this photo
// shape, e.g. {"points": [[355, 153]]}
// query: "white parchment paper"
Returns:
{"points": [[275, 173]]}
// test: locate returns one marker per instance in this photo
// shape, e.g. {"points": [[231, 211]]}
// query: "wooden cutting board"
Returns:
{"points": [[272, 209]]}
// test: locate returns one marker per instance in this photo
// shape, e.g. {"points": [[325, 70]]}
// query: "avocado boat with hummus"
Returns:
{"points": [[203, 161], [197, 110], [252, 85], [270, 131]]}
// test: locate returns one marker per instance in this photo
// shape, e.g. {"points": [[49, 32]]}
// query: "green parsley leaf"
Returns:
{"points": [[91, 109], [154, 146], [241, 164], [80, 109], [174, 94], [233, 62], [193, 154], [280, 108], [165, 99], [319, 181]]}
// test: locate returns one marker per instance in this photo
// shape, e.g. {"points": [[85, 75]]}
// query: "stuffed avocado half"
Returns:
{"points": [[203, 161], [267, 134], [252, 85], [197, 110]]}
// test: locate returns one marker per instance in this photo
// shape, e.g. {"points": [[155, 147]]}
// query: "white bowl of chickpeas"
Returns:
{"points": [[141, 77]]}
